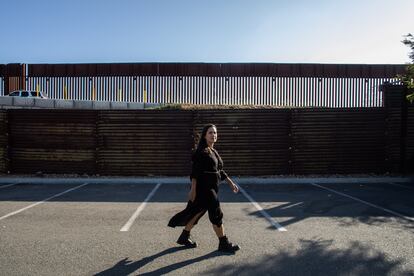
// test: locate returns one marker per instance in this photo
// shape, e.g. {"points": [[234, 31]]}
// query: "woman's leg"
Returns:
{"points": [[185, 237], [219, 230], [216, 218], [190, 224]]}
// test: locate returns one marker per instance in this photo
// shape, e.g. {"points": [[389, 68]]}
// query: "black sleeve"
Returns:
{"points": [[223, 175], [196, 166]]}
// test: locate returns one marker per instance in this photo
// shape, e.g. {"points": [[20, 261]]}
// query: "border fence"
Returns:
{"points": [[285, 85], [252, 142]]}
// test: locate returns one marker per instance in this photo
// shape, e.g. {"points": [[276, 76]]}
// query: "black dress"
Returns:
{"points": [[207, 169]]}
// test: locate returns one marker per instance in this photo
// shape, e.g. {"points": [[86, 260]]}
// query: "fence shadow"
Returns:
{"points": [[318, 257], [294, 202], [314, 257]]}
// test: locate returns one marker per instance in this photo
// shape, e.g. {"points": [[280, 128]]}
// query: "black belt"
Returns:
{"points": [[216, 172]]}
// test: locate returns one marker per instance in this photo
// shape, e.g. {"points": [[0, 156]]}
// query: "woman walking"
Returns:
{"points": [[206, 174]]}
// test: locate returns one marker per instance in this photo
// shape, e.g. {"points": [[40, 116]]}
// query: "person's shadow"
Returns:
{"points": [[126, 267]]}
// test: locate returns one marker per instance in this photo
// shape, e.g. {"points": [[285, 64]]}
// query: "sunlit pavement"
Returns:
{"points": [[352, 226]]}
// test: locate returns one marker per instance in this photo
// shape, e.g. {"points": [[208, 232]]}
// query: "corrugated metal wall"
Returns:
{"points": [[144, 142], [396, 144], [3, 141], [410, 139], [218, 70], [340, 141], [12, 77], [251, 142], [53, 141]]}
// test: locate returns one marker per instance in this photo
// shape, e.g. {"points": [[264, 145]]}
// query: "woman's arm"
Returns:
{"points": [[232, 185]]}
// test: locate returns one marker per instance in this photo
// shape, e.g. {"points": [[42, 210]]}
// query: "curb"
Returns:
{"points": [[186, 180]]}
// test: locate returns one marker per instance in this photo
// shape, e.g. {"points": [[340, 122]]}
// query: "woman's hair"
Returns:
{"points": [[202, 143]]}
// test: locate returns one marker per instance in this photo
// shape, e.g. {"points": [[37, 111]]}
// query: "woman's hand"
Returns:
{"points": [[235, 188], [232, 185], [192, 195]]}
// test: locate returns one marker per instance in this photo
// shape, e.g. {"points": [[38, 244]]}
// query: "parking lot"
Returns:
{"points": [[283, 229]]}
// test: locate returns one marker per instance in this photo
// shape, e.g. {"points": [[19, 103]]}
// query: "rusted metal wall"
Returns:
{"points": [[144, 142], [407, 132], [3, 141], [52, 141], [12, 77], [395, 127], [251, 142], [410, 139], [338, 141], [217, 70]]}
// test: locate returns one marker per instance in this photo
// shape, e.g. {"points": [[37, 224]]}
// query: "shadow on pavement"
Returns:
{"points": [[125, 267], [295, 202], [319, 258], [352, 217]]}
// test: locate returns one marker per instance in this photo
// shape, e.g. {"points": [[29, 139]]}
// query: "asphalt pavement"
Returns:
{"points": [[118, 226]]}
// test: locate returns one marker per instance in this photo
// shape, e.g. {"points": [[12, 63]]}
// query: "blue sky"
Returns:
{"points": [[284, 31]]}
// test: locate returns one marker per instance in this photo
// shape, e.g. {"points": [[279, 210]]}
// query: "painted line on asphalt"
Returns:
{"points": [[141, 207], [262, 211], [399, 185], [9, 185], [40, 202], [291, 205], [365, 202]]}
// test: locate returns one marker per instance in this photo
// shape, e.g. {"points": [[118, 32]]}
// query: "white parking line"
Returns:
{"points": [[399, 185], [141, 207], [5, 186], [262, 211], [365, 202], [40, 202]]}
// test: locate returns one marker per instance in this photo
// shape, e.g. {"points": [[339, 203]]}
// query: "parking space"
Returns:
{"points": [[76, 229], [396, 198]]}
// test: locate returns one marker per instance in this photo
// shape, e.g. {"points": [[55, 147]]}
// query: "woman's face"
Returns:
{"points": [[211, 135]]}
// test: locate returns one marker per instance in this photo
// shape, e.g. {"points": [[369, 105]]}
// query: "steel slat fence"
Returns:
{"points": [[1, 86], [285, 85], [276, 91]]}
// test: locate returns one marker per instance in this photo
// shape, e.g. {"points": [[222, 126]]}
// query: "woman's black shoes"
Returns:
{"points": [[226, 246], [185, 240]]}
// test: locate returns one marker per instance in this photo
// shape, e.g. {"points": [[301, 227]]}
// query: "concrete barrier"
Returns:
{"points": [[44, 103], [27, 102], [101, 105], [119, 105], [66, 104], [5, 101], [152, 105], [135, 105], [82, 105], [36, 103]]}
